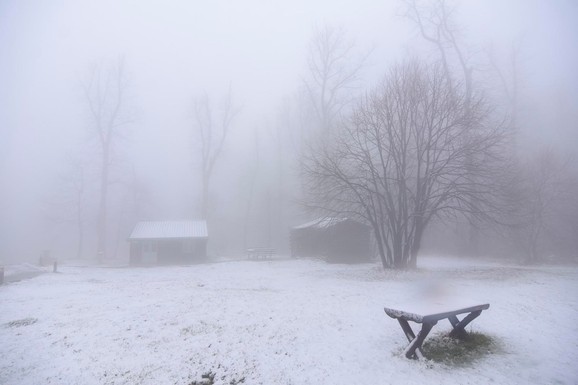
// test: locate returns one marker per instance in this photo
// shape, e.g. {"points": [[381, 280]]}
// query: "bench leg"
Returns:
{"points": [[414, 347], [459, 327], [413, 350], [410, 337], [406, 329]]}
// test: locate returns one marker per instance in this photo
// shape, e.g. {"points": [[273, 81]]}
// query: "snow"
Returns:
{"points": [[434, 311], [320, 223], [169, 229], [13, 273], [279, 322]]}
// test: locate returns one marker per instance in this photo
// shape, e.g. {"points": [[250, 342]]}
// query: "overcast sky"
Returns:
{"points": [[176, 49]]}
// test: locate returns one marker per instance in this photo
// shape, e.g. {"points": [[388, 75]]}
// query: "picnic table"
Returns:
{"points": [[428, 317], [260, 253]]}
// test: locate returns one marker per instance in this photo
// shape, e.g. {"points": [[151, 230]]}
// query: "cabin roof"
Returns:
{"points": [[321, 223], [169, 229]]}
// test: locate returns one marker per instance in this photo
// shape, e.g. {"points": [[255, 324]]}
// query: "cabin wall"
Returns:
{"points": [[348, 242], [168, 251], [345, 242]]}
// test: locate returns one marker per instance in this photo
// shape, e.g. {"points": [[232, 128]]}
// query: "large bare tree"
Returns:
{"points": [[415, 148], [105, 93], [211, 130]]}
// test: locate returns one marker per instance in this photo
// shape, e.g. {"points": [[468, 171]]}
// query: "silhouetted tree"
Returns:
{"points": [[333, 73], [105, 95], [210, 134], [416, 147]]}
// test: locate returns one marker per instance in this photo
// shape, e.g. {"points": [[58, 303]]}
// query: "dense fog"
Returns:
{"points": [[249, 66]]}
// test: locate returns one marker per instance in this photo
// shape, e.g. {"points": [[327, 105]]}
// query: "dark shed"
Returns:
{"points": [[337, 240], [168, 243]]}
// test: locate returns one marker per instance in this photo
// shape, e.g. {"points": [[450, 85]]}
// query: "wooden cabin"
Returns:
{"points": [[168, 243], [336, 240]]}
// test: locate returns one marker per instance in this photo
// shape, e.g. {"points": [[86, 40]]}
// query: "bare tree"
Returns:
{"points": [[401, 160], [105, 94], [254, 170], [435, 20], [333, 73], [211, 133]]}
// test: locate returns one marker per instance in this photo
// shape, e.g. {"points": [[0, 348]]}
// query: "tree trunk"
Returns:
{"points": [[251, 192], [101, 220], [416, 243], [380, 242], [399, 260], [205, 197], [80, 237], [79, 224]]}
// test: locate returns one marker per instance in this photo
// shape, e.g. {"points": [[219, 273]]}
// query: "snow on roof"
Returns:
{"points": [[170, 229], [321, 223]]}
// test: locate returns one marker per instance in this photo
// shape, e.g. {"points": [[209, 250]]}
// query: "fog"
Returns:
{"points": [[176, 51]]}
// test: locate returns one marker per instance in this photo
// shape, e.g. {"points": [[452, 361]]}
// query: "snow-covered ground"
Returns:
{"points": [[279, 322], [15, 273]]}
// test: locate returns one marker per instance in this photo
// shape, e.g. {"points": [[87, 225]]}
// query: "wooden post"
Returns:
{"points": [[1, 275], [55, 267]]}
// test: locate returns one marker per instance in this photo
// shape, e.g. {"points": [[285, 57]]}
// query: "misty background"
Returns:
{"points": [[175, 52]]}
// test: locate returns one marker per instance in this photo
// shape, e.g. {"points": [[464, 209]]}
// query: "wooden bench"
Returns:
{"points": [[257, 253], [428, 320]]}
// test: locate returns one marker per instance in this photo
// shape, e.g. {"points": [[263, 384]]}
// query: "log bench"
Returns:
{"points": [[428, 319]]}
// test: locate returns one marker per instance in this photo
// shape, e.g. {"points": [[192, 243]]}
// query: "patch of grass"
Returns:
{"points": [[456, 352], [21, 322], [208, 378]]}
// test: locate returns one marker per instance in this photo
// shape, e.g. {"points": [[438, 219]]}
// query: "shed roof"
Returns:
{"points": [[321, 223], [169, 229]]}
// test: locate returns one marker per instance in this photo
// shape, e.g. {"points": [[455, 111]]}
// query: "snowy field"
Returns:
{"points": [[279, 322]]}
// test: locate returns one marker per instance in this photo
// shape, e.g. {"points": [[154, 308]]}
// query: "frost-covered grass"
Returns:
{"points": [[460, 352], [281, 322]]}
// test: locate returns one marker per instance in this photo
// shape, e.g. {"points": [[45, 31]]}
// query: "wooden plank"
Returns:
{"points": [[397, 314], [419, 318], [439, 316]]}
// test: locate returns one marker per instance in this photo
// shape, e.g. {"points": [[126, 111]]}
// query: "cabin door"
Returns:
{"points": [[149, 253]]}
